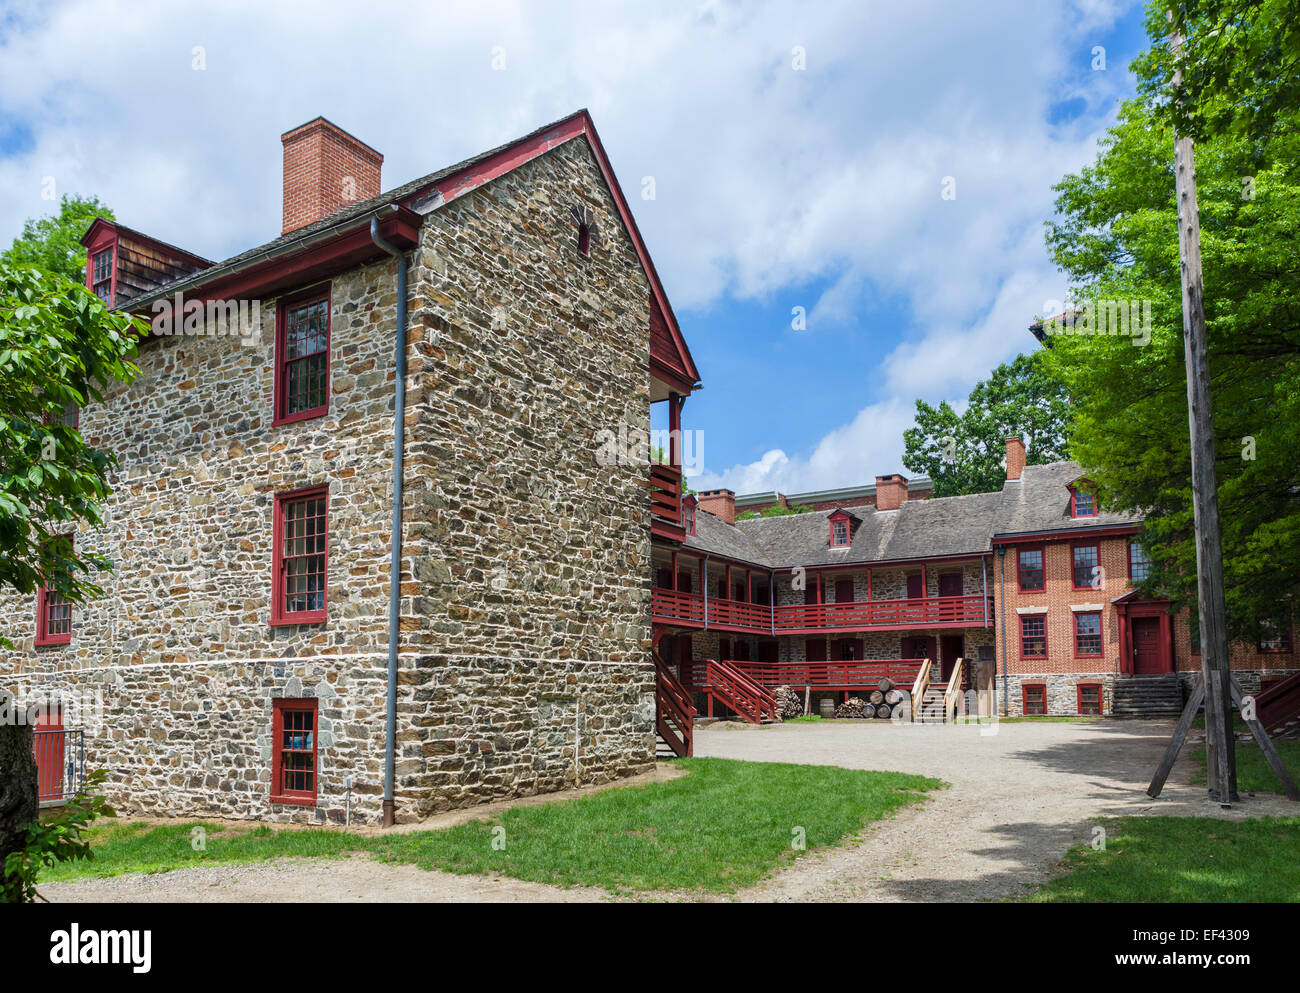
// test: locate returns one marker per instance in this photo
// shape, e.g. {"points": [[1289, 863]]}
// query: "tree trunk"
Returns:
{"points": [[19, 805]]}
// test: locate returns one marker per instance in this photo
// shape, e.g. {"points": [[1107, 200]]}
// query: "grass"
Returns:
{"points": [[1253, 773], [806, 719], [1184, 860], [726, 825]]}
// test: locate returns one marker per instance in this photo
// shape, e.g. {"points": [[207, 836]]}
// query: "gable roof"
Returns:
{"points": [[442, 187], [1040, 502]]}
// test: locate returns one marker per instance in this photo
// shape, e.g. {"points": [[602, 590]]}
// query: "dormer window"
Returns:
{"points": [[841, 532], [688, 516], [102, 275], [1082, 503]]}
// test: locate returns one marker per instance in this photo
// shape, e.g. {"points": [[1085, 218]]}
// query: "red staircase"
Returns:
{"points": [[674, 710], [1278, 707], [726, 684]]}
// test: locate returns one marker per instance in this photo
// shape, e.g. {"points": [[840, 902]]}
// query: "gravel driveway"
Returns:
{"points": [[1019, 799]]}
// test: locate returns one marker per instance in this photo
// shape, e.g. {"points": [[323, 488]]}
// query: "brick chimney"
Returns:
{"points": [[891, 492], [1015, 458], [325, 169], [720, 503]]}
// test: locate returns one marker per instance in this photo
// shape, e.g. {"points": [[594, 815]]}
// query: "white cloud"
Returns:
{"points": [[766, 177]]}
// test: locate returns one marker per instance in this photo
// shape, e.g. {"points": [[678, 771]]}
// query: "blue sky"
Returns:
{"points": [[798, 151]]}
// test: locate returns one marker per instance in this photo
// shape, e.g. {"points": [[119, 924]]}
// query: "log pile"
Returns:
{"points": [[853, 707], [788, 703]]}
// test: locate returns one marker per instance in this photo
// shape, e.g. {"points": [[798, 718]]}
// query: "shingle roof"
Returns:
{"points": [[936, 528], [349, 213], [1040, 501]]}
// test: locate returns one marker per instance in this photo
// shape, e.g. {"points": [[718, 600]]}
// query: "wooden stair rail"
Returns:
{"points": [[732, 688], [1279, 704], [919, 689], [674, 710], [952, 695]]}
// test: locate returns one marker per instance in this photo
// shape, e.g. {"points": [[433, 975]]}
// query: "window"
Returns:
{"points": [[1033, 636], [293, 779], [1087, 567], [584, 239], [840, 531], [1034, 699], [1090, 698], [1087, 635], [688, 516], [1276, 639], [1139, 562], [302, 349], [1030, 570], [102, 276], [53, 616], [301, 557], [1082, 504]]}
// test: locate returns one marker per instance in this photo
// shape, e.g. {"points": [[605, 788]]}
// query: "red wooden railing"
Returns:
{"points": [[841, 675], [669, 605], [666, 494], [1278, 705], [674, 711], [725, 683]]}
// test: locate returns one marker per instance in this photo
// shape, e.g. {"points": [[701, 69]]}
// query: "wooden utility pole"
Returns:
{"points": [[1220, 757]]}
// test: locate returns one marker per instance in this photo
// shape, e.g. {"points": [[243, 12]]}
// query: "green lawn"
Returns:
{"points": [[724, 826], [1253, 773], [1184, 860]]}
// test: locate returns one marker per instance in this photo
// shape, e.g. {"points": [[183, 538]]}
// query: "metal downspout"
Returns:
{"points": [[395, 565], [1002, 621]]}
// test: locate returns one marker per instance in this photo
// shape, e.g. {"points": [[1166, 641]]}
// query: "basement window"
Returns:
{"points": [[302, 357], [1090, 699], [293, 734], [301, 536], [1034, 699]]}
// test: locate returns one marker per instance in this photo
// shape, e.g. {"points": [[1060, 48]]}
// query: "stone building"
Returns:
{"points": [[239, 664]]}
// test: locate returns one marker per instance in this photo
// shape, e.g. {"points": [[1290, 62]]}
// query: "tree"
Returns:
{"points": [[776, 510], [53, 244], [965, 453], [60, 348], [1115, 236]]}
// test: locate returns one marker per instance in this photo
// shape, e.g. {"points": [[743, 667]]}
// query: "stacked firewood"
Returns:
{"points": [[852, 708], [788, 702]]}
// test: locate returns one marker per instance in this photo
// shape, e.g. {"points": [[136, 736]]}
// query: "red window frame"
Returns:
{"points": [[46, 599], [841, 535], [1041, 551], [688, 516], [279, 614], [1024, 636], [1025, 709], [295, 731], [1082, 503], [1075, 567], [106, 277], [1099, 635], [1146, 565], [1094, 691], [282, 361]]}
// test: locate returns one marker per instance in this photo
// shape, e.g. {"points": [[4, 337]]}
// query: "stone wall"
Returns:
{"points": [[525, 574]]}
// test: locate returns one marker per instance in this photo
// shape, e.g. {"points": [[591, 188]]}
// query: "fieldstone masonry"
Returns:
{"points": [[525, 571]]}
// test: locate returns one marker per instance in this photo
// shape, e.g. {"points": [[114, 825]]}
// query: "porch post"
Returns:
{"points": [[674, 570], [675, 401], [704, 588]]}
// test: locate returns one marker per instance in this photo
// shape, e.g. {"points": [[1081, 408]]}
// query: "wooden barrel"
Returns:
{"points": [[877, 697], [886, 684], [883, 711]]}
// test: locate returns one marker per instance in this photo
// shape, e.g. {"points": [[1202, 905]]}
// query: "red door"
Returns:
{"points": [[914, 587], [918, 646], [951, 648], [843, 591], [767, 651], [49, 752], [1147, 658], [950, 584], [816, 649]]}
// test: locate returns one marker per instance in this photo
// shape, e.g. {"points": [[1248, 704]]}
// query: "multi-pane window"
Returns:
{"points": [[102, 275], [1083, 504], [839, 533], [53, 616], [688, 516], [1087, 560], [1033, 636], [302, 384], [1031, 569], [1277, 638], [1035, 699], [1087, 634], [1139, 562], [1090, 698], [301, 557], [294, 747]]}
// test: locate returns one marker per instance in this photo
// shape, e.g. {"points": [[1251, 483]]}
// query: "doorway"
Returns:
{"points": [[1147, 657], [951, 648]]}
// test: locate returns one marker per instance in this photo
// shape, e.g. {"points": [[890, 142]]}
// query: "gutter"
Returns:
{"points": [[395, 541]]}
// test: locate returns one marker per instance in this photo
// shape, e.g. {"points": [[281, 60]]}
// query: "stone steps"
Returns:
{"points": [[1148, 696]]}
